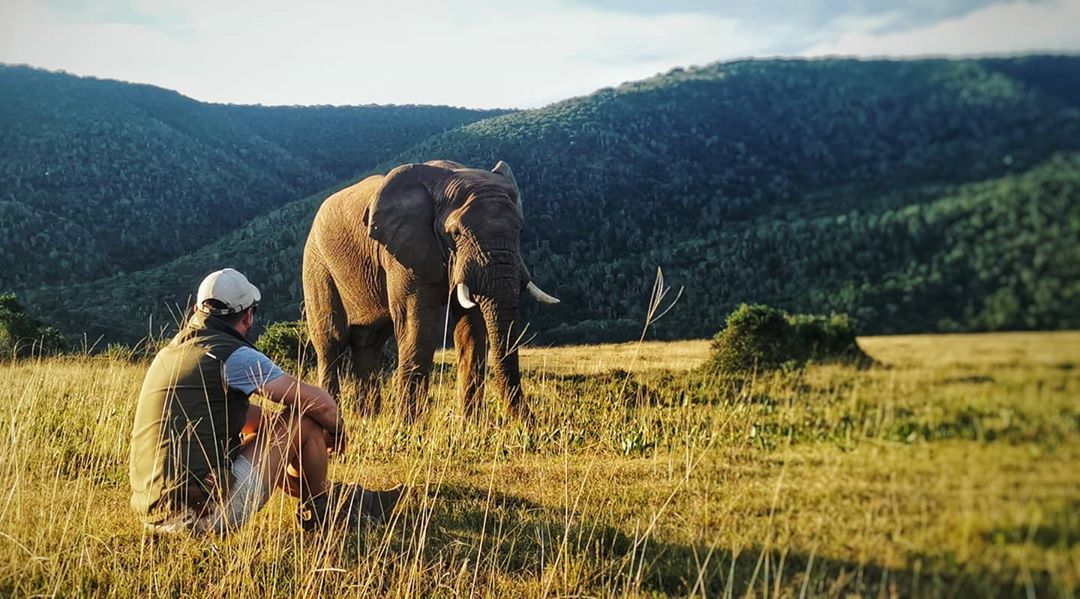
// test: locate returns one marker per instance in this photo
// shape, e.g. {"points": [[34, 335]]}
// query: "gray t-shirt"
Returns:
{"points": [[247, 370]]}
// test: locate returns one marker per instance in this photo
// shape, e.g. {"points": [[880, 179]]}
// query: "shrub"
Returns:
{"points": [[826, 336], [119, 352], [287, 344], [143, 351], [22, 336], [762, 337]]}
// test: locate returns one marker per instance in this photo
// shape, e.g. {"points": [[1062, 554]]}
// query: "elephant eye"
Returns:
{"points": [[455, 233]]}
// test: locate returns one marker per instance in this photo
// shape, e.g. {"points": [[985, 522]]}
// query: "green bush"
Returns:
{"points": [[143, 351], [826, 336], [119, 352], [287, 344], [759, 337], [22, 336]]}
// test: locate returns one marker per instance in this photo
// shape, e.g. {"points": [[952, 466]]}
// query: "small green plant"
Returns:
{"points": [[287, 344], [761, 337], [120, 353], [22, 336]]}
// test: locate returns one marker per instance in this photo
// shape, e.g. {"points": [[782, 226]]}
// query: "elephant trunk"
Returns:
{"points": [[500, 312]]}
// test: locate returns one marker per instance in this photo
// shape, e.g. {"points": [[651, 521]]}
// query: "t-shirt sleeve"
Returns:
{"points": [[247, 370]]}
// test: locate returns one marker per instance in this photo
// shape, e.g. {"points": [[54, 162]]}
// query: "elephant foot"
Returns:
{"points": [[471, 405], [520, 410], [369, 401], [472, 413], [410, 413], [410, 406], [411, 396], [369, 409]]}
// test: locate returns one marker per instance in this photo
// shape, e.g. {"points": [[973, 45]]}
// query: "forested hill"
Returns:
{"points": [[100, 177], [917, 195], [344, 141]]}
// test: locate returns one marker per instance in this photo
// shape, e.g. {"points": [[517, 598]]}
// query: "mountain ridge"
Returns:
{"points": [[630, 173], [107, 161]]}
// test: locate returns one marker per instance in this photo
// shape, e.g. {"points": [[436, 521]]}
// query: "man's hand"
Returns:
{"points": [[335, 443], [307, 400]]}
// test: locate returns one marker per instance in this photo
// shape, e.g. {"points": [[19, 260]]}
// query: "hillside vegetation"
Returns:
{"points": [[945, 469], [915, 195], [22, 336], [802, 184], [101, 177]]}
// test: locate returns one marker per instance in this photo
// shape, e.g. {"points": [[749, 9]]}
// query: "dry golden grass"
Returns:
{"points": [[630, 357], [949, 468], [605, 357], [1009, 350]]}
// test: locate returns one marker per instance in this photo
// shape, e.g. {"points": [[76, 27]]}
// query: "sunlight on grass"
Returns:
{"points": [[947, 468]]}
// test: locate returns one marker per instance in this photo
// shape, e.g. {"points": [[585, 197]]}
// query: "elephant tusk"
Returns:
{"points": [[463, 297], [540, 295]]}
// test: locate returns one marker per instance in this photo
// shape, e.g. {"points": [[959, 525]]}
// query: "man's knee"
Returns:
{"points": [[308, 430], [294, 432]]}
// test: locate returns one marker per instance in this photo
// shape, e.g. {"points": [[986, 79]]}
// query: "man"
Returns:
{"points": [[203, 460]]}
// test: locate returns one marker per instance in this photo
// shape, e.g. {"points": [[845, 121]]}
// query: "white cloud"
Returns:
{"points": [[474, 53], [999, 29], [462, 53], [478, 53]]}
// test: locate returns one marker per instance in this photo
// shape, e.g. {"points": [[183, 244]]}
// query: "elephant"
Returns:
{"points": [[391, 254]]}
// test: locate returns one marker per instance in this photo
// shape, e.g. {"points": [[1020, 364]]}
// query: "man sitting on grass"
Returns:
{"points": [[204, 460]]}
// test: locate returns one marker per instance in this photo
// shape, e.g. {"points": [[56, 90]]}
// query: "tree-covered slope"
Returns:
{"points": [[99, 177], [876, 187], [346, 140], [998, 254], [655, 161]]}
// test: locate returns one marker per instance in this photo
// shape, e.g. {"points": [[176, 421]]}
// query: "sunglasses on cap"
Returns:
{"points": [[216, 308]]}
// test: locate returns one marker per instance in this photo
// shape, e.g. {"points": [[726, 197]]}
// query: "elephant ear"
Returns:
{"points": [[402, 218], [503, 169]]}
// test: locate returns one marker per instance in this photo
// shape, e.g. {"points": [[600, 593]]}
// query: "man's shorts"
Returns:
{"points": [[246, 497]]}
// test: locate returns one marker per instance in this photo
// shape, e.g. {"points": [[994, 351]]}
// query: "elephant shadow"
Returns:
{"points": [[524, 539]]}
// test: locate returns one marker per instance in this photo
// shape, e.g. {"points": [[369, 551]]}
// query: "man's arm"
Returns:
{"points": [[308, 400], [250, 371]]}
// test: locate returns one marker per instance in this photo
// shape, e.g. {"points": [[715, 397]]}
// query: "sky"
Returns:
{"points": [[486, 53]]}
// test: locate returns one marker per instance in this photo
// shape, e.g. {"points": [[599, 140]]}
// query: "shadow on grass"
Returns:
{"points": [[527, 540], [1059, 528], [528, 548], [1045, 536]]}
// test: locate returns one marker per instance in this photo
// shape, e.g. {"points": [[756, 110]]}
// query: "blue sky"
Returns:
{"points": [[483, 53]]}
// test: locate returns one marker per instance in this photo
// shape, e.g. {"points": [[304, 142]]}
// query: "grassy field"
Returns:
{"points": [[948, 468]]}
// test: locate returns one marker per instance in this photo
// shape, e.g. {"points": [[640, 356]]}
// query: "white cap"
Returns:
{"points": [[229, 287]]}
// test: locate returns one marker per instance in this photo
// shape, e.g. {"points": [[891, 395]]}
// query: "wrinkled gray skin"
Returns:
{"points": [[385, 256]]}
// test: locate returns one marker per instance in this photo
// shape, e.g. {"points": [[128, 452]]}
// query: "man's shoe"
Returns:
{"points": [[376, 506], [347, 506]]}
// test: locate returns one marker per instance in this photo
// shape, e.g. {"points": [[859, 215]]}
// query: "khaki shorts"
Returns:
{"points": [[246, 497]]}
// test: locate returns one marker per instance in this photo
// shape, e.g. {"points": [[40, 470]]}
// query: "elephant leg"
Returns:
{"points": [[417, 326], [470, 339], [367, 355], [327, 325], [332, 356]]}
